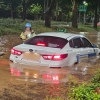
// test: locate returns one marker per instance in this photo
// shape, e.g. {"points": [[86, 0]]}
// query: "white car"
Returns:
{"points": [[54, 49]]}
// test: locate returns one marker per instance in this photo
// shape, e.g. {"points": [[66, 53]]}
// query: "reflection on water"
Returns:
{"points": [[39, 74], [58, 79]]}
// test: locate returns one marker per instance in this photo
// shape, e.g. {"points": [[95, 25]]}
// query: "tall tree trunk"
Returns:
{"points": [[74, 14], [11, 9], [56, 10], [48, 13], [24, 10], [96, 15]]}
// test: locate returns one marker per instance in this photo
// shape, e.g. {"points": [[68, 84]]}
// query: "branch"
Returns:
{"points": [[50, 7], [98, 8]]}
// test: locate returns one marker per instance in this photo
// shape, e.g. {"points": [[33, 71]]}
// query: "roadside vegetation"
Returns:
{"points": [[49, 10], [90, 91], [84, 91], [16, 26]]}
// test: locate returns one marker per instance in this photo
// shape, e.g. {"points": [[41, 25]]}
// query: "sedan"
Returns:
{"points": [[54, 49]]}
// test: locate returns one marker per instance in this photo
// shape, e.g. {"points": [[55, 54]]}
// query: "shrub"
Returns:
{"points": [[16, 26], [84, 92], [91, 91], [96, 78]]}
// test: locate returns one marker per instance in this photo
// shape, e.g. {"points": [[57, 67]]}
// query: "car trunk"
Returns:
{"points": [[32, 53]]}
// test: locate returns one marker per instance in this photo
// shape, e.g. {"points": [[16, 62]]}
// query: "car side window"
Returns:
{"points": [[76, 43], [86, 43], [71, 43]]}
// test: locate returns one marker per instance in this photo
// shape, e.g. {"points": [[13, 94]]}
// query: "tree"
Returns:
{"points": [[35, 10], [95, 19], [48, 12], [24, 9], [57, 7], [74, 13], [9, 7], [95, 5], [96, 13]]}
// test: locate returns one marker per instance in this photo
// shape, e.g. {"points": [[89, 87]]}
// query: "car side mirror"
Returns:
{"points": [[95, 46]]}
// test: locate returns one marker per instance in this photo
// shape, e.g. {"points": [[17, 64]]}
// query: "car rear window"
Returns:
{"points": [[49, 41]]}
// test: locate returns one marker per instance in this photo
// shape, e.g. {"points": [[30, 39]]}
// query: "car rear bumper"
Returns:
{"points": [[35, 64]]}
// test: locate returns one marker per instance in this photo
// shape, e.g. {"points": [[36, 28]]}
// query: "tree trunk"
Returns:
{"points": [[48, 19], [11, 9], [48, 13], [74, 14], [96, 15], [56, 10], [24, 10]]}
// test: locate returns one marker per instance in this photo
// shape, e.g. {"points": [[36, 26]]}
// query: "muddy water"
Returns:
{"points": [[23, 82]]}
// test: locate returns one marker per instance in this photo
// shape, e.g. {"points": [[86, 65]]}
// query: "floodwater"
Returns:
{"points": [[24, 82]]}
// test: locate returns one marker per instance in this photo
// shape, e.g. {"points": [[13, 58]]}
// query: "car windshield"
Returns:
{"points": [[47, 41]]}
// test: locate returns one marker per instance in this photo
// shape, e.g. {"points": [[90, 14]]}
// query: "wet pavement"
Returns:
{"points": [[24, 82]]}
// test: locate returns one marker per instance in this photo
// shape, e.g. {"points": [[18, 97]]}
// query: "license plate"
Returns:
{"points": [[27, 56]]}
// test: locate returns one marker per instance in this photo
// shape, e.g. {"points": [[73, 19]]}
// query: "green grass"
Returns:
{"points": [[16, 26], [87, 28]]}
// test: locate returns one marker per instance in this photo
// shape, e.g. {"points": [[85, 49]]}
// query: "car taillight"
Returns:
{"points": [[16, 52], [55, 57], [40, 44]]}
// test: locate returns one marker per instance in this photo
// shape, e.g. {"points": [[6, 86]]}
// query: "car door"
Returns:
{"points": [[78, 46], [81, 52], [89, 48]]}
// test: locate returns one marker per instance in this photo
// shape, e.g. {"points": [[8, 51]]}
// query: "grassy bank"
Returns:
{"points": [[16, 26]]}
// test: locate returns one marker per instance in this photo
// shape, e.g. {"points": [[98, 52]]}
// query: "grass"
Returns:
{"points": [[16, 26]]}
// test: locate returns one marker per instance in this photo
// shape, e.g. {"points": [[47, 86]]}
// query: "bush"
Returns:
{"points": [[16, 26], [91, 91], [84, 92], [96, 78]]}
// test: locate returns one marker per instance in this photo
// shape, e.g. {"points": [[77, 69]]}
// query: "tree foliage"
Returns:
{"points": [[59, 10], [35, 9]]}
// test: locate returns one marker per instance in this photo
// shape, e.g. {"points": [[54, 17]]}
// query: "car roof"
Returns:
{"points": [[59, 34]]}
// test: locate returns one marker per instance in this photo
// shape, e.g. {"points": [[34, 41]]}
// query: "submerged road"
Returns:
{"points": [[22, 82]]}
